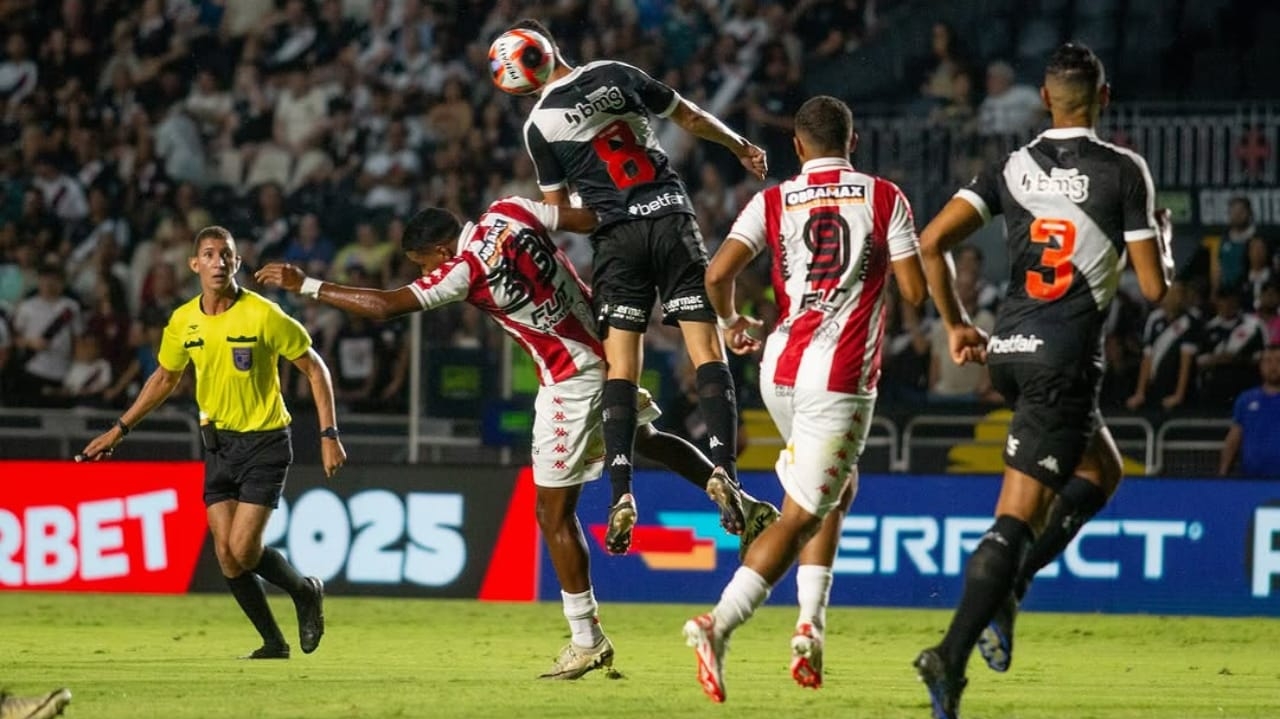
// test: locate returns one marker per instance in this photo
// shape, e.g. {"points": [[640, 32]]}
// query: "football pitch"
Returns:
{"points": [[145, 656]]}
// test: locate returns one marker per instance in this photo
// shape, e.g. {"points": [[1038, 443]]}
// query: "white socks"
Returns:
{"points": [[813, 591], [580, 610], [744, 593]]}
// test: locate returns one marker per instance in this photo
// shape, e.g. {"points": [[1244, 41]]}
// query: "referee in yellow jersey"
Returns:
{"points": [[235, 338]]}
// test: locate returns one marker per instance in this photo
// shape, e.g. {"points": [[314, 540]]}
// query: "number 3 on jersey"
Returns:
{"points": [[1057, 260], [622, 155]]}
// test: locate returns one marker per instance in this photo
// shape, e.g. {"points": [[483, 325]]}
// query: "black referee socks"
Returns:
{"points": [[252, 598], [274, 568]]}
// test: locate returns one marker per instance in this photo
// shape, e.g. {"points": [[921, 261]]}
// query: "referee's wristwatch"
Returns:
{"points": [[329, 433]]}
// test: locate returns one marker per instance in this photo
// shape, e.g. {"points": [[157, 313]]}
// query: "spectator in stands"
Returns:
{"points": [[1010, 108], [45, 325], [970, 260], [937, 72], [291, 36], [828, 28], [956, 112], [102, 224], [771, 105], [309, 248], [390, 171], [1171, 340], [1228, 359], [1255, 424], [87, 377], [368, 255], [950, 383], [18, 74], [6, 351], [272, 228], [907, 347], [17, 271], [1268, 310], [1230, 262], [62, 195], [179, 144], [1258, 271]]}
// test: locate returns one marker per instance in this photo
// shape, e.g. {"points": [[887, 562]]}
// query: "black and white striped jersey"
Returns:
{"points": [[590, 132], [1070, 203]]}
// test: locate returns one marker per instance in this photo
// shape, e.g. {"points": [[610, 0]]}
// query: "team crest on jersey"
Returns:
{"points": [[1067, 182], [242, 357], [826, 195]]}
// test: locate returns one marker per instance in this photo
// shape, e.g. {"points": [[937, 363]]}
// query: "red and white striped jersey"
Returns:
{"points": [[508, 267], [833, 231]]}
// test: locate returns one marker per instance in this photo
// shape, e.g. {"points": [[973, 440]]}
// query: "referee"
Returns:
{"points": [[235, 338]]}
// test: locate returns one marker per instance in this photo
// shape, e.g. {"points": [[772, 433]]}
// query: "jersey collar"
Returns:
{"points": [[1066, 133], [826, 163], [573, 75]]}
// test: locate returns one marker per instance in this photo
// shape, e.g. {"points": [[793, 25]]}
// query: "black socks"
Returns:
{"points": [[1076, 504], [987, 580], [252, 598], [717, 400], [619, 402], [274, 568]]}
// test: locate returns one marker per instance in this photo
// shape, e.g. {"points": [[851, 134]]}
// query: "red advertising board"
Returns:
{"points": [[384, 530], [104, 527]]}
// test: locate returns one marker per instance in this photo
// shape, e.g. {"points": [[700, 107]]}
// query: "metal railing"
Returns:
{"points": [[1145, 443], [1176, 446], [68, 430], [1208, 440]]}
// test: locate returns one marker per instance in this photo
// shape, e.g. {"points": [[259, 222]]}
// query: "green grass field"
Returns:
{"points": [[127, 656]]}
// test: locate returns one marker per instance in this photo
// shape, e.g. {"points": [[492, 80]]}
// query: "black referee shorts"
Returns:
{"points": [[638, 260], [248, 467], [1055, 414]]}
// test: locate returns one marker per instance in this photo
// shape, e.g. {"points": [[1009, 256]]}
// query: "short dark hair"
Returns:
{"points": [[1242, 200], [429, 228], [528, 23], [216, 232], [827, 121], [1075, 64]]}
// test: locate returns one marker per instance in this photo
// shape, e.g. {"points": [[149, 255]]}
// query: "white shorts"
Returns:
{"points": [[568, 437], [825, 434]]}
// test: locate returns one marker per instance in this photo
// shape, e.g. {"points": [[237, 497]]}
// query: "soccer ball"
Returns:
{"points": [[521, 61]]}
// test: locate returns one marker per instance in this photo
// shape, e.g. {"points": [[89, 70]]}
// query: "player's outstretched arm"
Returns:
{"points": [[730, 260], [703, 124], [312, 365], [157, 389], [957, 220], [364, 301]]}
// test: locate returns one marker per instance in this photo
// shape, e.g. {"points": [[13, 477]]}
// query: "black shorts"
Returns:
{"points": [[1055, 414], [638, 260], [248, 467]]}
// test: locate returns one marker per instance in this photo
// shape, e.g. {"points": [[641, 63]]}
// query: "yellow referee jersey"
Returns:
{"points": [[236, 354]]}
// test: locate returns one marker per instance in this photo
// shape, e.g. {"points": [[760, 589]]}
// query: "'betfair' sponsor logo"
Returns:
{"points": [[1014, 344]]}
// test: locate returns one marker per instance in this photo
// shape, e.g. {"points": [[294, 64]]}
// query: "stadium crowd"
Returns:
{"points": [[310, 128]]}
